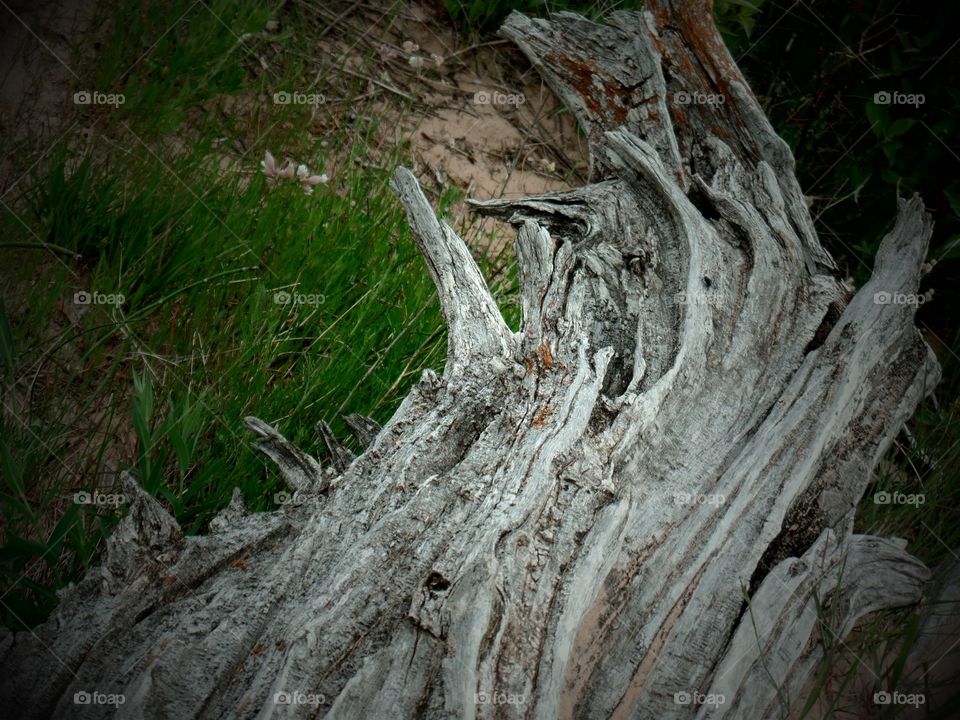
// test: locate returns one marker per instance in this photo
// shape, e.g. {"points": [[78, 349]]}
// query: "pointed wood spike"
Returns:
{"points": [[231, 515], [300, 471], [476, 331], [365, 429], [340, 457], [147, 534]]}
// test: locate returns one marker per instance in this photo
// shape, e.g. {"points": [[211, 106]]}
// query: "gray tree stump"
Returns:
{"points": [[628, 509]]}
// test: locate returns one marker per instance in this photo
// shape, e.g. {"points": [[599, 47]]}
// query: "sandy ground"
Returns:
{"points": [[479, 119]]}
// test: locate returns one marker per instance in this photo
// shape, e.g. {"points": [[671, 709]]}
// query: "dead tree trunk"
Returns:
{"points": [[637, 498]]}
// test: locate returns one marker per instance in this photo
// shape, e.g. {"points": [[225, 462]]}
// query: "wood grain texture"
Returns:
{"points": [[632, 500]]}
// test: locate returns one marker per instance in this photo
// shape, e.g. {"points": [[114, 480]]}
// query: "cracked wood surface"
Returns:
{"points": [[567, 521]]}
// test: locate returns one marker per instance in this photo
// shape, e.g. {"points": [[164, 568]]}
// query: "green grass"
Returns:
{"points": [[169, 59], [200, 339], [199, 251]]}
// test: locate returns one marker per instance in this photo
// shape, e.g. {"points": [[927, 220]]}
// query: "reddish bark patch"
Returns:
{"points": [[602, 94]]}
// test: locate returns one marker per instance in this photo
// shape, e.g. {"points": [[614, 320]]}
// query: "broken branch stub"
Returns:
{"points": [[476, 330]]}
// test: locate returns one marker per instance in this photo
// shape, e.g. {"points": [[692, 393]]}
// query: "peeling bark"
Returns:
{"points": [[641, 494]]}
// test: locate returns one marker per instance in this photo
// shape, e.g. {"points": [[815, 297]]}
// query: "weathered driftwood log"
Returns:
{"points": [[628, 508]]}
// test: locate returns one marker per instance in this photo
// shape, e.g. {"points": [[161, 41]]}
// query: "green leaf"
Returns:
{"points": [[890, 149], [142, 408], [899, 127], [879, 117]]}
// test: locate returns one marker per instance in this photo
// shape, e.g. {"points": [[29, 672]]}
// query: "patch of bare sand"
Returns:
{"points": [[477, 118]]}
